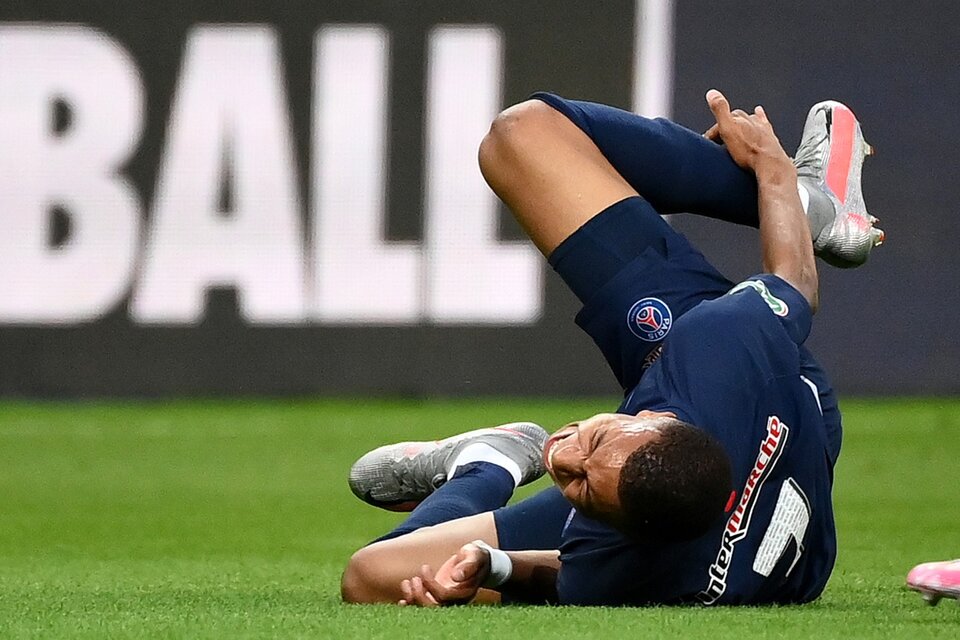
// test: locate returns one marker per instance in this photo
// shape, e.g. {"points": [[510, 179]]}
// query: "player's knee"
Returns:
{"points": [[358, 584], [513, 134]]}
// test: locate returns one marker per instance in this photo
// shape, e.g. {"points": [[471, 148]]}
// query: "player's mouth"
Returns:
{"points": [[550, 447]]}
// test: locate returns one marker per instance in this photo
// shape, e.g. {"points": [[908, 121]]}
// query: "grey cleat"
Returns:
{"points": [[829, 161], [399, 476]]}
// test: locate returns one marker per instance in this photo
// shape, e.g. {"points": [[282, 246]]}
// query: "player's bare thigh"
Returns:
{"points": [[374, 572], [548, 172]]}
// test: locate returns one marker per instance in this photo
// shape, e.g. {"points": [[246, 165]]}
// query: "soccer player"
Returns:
{"points": [[712, 481]]}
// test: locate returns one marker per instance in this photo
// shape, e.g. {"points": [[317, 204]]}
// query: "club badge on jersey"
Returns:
{"points": [[650, 319]]}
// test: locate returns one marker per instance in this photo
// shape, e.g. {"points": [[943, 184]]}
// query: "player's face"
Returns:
{"points": [[584, 458]]}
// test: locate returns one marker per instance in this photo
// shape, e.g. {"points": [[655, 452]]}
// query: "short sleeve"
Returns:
{"points": [[784, 301]]}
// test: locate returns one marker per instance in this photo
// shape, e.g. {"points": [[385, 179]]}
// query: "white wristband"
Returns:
{"points": [[501, 567]]}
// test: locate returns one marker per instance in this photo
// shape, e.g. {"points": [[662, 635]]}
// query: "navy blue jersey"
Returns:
{"points": [[736, 368]]}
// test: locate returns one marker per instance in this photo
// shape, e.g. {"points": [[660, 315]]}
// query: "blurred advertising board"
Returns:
{"points": [[205, 198]]}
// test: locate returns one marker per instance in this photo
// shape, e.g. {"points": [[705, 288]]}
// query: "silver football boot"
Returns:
{"points": [[399, 476], [829, 161]]}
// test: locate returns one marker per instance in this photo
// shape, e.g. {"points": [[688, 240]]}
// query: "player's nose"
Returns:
{"points": [[567, 460]]}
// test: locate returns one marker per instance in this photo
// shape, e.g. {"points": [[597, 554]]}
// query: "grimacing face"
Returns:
{"points": [[584, 458]]}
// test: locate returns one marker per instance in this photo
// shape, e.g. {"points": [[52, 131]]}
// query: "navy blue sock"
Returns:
{"points": [[675, 169], [476, 487]]}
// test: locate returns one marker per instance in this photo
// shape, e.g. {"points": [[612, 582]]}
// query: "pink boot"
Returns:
{"points": [[935, 580]]}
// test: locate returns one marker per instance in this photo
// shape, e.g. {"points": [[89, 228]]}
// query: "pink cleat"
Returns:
{"points": [[829, 163], [936, 580]]}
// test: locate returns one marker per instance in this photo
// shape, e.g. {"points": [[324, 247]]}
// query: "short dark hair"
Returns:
{"points": [[675, 487]]}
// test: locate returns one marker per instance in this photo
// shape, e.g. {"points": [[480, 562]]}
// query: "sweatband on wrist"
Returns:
{"points": [[501, 567]]}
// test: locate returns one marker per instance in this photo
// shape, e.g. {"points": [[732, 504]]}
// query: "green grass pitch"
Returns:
{"points": [[233, 519]]}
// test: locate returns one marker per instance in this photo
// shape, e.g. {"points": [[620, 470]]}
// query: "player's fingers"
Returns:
{"points": [[447, 591], [761, 113], [421, 596], [471, 558], [406, 591], [713, 133], [465, 570], [719, 107], [416, 592], [437, 592], [426, 576], [428, 580], [431, 587]]}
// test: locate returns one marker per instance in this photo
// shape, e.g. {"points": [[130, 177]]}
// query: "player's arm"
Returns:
{"points": [[524, 576], [785, 242], [534, 577]]}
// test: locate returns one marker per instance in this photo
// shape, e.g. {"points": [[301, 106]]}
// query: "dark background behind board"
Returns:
{"points": [[887, 328], [891, 327]]}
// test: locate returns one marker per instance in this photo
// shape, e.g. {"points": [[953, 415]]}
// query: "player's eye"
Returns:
{"points": [[582, 439], [596, 439]]}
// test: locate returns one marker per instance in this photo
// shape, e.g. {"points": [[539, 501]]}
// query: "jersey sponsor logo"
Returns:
{"points": [[650, 319], [739, 522], [778, 306]]}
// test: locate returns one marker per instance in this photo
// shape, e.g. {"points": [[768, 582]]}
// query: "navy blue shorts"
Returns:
{"points": [[534, 523], [635, 276]]}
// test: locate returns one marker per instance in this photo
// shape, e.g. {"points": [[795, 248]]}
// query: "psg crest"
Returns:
{"points": [[650, 319]]}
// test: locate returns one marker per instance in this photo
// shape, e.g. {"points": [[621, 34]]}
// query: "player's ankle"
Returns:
{"points": [[820, 209], [482, 452]]}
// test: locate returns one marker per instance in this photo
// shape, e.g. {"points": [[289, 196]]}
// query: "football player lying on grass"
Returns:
{"points": [[712, 482]]}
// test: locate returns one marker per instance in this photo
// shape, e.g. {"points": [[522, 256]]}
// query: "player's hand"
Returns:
{"points": [[456, 582], [749, 138]]}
